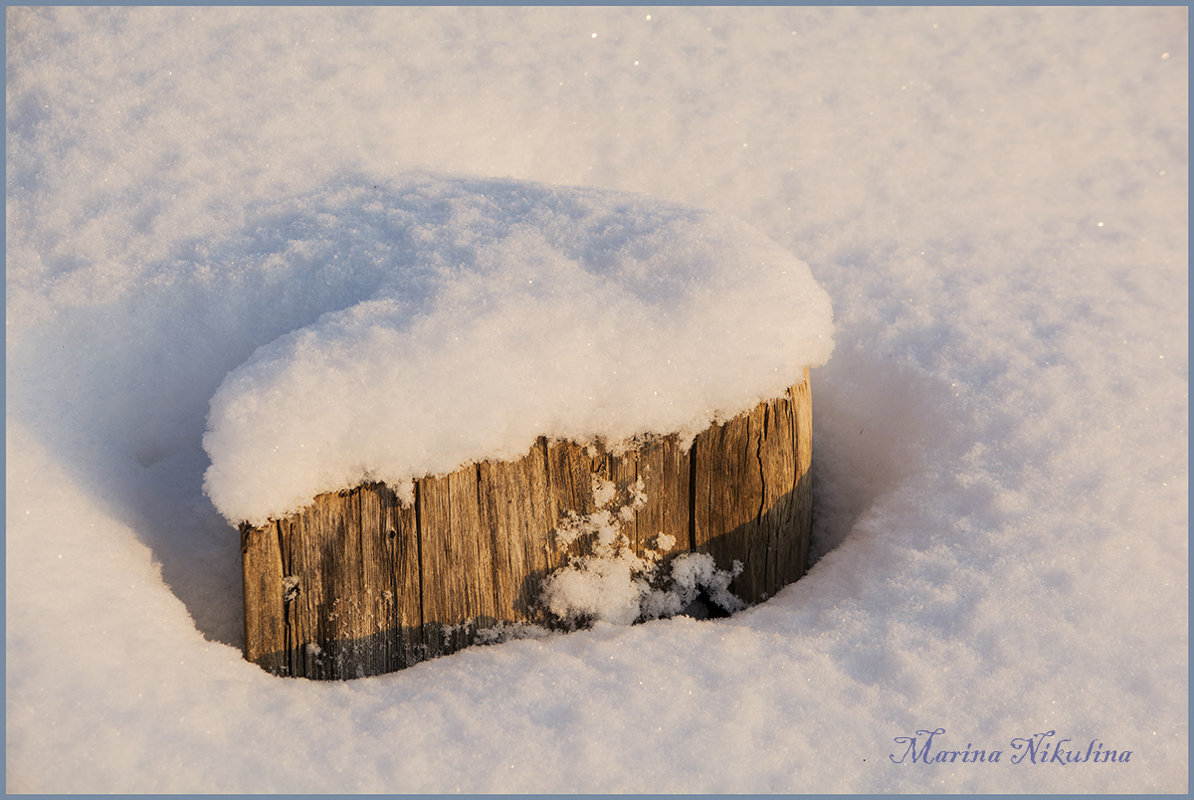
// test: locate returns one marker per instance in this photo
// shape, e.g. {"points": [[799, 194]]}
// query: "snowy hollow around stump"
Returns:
{"points": [[495, 312]]}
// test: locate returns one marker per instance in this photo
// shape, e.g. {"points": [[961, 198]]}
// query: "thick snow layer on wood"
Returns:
{"points": [[504, 311]]}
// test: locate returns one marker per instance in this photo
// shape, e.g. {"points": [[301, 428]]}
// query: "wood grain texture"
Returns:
{"points": [[665, 472], [516, 515], [752, 493], [326, 589], [358, 583]]}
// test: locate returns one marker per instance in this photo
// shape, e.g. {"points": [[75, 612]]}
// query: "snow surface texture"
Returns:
{"points": [[995, 201], [497, 312]]}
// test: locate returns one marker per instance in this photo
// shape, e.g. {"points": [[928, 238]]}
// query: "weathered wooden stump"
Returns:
{"points": [[359, 583]]}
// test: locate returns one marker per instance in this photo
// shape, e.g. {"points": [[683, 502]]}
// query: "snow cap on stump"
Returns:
{"points": [[505, 311]]}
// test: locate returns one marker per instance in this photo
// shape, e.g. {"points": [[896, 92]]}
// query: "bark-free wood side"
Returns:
{"points": [[752, 493], [333, 591], [359, 583]]}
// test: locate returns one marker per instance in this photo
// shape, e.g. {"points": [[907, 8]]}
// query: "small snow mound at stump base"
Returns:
{"points": [[360, 583]]}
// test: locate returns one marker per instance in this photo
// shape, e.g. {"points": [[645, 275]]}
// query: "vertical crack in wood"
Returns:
{"points": [[287, 629], [368, 612], [487, 501], [550, 511], [771, 532], [692, 489], [356, 520], [751, 531], [393, 544], [762, 440], [639, 542], [419, 549], [250, 599]]}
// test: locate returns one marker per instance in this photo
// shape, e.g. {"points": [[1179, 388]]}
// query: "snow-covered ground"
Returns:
{"points": [[995, 201]]}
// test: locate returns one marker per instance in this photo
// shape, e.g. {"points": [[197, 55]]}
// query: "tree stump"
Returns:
{"points": [[359, 583]]}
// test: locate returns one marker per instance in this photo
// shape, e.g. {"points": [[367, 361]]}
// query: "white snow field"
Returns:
{"points": [[994, 201]]}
